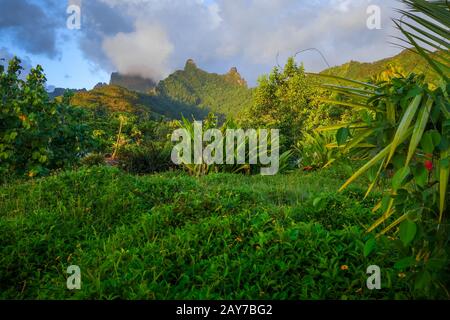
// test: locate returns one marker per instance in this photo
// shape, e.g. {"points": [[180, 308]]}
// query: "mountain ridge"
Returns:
{"points": [[406, 60], [193, 92]]}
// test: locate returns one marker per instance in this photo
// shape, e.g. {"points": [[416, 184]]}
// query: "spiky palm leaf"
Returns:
{"points": [[425, 25]]}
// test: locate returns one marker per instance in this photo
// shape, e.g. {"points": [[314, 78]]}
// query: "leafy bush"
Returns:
{"points": [[146, 158], [93, 159], [36, 134], [285, 159], [315, 152]]}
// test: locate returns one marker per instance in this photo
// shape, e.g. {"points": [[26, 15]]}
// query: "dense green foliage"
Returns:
{"points": [[407, 61], [315, 152], [37, 135], [137, 143], [288, 100], [282, 100], [285, 161], [163, 236]]}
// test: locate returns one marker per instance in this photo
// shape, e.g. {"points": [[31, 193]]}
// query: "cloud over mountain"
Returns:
{"points": [[144, 52], [153, 37]]}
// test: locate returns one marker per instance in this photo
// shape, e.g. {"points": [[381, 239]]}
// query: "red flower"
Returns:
{"points": [[429, 165]]}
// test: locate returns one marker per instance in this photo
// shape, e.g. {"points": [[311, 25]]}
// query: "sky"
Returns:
{"points": [[153, 38]]}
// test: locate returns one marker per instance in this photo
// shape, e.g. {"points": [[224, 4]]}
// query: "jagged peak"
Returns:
{"points": [[234, 77], [233, 70], [190, 63]]}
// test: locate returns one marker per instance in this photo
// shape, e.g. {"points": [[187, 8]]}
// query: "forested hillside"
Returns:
{"points": [[119, 99], [191, 92], [223, 94], [406, 61]]}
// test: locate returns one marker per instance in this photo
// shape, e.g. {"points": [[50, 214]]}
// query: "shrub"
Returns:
{"points": [[146, 158], [93, 159], [286, 159], [36, 134], [315, 152]]}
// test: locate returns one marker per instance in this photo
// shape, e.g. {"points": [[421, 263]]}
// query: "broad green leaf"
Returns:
{"points": [[405, 263], [408, 231], [423, 280], [420, 175], [399, 177], [444, 143], [444, 173], [369, 246], [427, 143], [430, 140], [342, 135], [317, 201]]}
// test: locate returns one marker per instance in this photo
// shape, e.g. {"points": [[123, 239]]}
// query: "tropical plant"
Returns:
{"points": [[36, 134], [405, 124], [148, 157], [315, 151], [285, 159]]}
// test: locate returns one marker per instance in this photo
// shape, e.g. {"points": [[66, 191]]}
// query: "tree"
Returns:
{"points": [[36, 134], [283, 100]]}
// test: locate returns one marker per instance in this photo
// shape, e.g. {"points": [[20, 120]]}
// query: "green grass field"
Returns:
{"points": [[173, 236]]}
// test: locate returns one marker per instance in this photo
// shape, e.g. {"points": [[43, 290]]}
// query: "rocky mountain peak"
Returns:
{"points": [[235, 77], [190, 63]]}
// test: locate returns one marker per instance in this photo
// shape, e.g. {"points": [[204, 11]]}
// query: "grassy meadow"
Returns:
{"points": [[173, 236]]}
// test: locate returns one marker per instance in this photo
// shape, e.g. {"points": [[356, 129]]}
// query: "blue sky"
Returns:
{"points": [[153, 38]]}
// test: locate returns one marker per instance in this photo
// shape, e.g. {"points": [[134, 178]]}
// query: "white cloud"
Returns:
{"points": [[144, 52], [244, 33]]}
